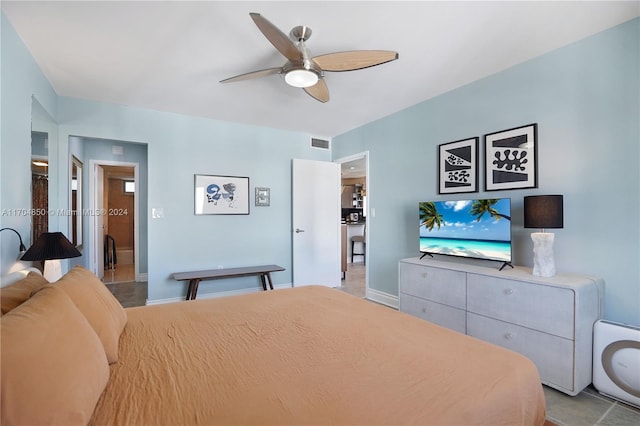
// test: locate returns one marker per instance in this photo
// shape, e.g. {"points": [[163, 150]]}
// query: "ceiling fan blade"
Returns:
{"points": [[279, 39], [319, 91], [354, 59], [252, 74]]}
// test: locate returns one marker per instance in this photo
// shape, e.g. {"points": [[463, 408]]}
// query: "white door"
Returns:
{"points": [[316, 223]]}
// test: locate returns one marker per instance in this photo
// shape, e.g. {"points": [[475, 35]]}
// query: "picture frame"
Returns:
{"points": [[458, 166], [511, 158], [217, 194], [263, 196]]}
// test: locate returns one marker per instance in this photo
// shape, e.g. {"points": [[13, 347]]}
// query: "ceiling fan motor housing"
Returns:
{"points": [[300, 33]]}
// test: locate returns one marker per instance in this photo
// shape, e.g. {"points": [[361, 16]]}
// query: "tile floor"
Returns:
{"points": [[130, 293], [589, 408], [120, 281], [354, 282], [121, 273]]}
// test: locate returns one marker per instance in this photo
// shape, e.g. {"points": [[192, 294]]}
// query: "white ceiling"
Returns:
{"points": [[353, 169], [170, 56]]}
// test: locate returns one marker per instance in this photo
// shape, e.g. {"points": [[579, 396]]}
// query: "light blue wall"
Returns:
{"points": [[178, 147], [21, 80], [585, 98], [39, 142]]}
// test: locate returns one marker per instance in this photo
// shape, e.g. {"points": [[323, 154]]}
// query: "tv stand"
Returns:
{"points": [[548, 320], [505, 264], [426, 254]]}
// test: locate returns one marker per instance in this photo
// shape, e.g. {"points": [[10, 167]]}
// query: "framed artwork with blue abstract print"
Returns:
{"points": [[221, 194]]}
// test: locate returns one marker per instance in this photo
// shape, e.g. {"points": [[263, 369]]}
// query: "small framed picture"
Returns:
{"points": [[511, 158], [221, 194], [263, 197], [458, 166]]}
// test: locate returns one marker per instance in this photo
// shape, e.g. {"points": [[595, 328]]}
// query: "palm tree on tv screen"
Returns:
{"points": [[480, 207], [429, 215]]}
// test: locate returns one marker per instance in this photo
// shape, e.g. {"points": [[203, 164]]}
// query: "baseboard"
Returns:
{"points": [[382, 298], [216, 294]]}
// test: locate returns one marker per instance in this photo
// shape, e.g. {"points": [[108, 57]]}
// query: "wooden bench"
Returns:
{"points": [[194, 277]]}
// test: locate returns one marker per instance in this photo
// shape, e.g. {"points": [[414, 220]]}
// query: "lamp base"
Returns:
{"points": [[543, 265], [52, 270]]}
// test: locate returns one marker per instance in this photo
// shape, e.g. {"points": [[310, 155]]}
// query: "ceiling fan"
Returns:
{"points": [[308, 73]]}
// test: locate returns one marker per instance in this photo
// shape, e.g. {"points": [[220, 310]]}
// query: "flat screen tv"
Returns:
{"points": [[479, 228]]}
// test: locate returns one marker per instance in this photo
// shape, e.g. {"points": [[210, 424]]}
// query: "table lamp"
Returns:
{"points": [[51, 247], [543, 212]]}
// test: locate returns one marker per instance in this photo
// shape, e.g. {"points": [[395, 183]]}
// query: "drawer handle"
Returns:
{"points": [[508, 291], [508, 336]]}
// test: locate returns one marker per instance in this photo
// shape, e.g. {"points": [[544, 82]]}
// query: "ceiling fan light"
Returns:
{"points": [[301, 78]]}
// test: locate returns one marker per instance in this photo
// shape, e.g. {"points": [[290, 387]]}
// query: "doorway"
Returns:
{"points": [[114, 228], [354, 186]]}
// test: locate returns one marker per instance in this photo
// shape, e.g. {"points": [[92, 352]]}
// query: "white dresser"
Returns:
{"points": [[549, 320]]}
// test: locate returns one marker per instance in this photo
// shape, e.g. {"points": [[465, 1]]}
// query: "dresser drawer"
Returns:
{"points": [[545, 308], [435, 284], [551, 354], [437, 313]]}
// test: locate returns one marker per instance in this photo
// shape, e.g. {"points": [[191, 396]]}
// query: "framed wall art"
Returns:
{"points": [[458, 166], [511, 158], [221, 194], [263, 196]]}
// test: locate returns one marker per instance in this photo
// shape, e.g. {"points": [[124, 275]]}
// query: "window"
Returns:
{"points": [[129, 187]]}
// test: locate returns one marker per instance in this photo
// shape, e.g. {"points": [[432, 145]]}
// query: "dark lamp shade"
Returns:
{"points": [[543, 211], [49, 246]]}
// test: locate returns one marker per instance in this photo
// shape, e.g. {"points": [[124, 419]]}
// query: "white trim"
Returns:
{"points": [[382, 297], [92, 222], [79, 197], [217, 294]]}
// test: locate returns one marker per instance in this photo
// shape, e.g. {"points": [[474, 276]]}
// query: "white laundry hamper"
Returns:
{"points": [[616, 361]]}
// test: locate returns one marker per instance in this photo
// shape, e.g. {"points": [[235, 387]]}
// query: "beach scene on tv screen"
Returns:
{"points": [[467, 228]]}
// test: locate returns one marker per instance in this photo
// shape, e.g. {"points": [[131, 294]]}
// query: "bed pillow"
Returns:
{"points": [[103, 311], [19, 292], [54, 368]]}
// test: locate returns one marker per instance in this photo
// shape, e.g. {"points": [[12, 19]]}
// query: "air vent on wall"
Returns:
{"points": [[319, 143]]}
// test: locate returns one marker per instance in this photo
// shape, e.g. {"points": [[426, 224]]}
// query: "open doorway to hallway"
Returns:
{"points": [[114, 229], [354, 223], [119, 189]]}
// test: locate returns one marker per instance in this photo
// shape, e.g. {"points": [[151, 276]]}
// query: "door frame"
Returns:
{"points": [[95, 235], [367, 221]]}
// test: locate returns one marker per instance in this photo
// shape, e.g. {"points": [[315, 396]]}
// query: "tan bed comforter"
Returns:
{"points": [[310, 355]]}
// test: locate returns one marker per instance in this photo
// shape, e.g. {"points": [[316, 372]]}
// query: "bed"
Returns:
{"points": [[308, 355]]}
